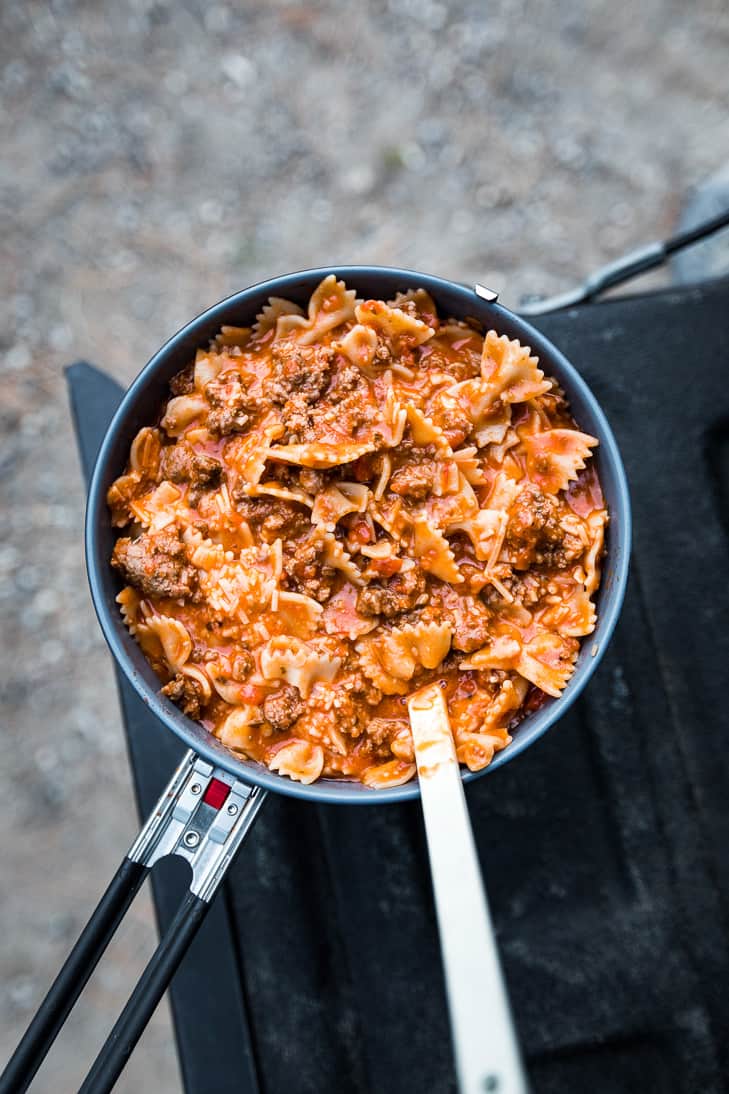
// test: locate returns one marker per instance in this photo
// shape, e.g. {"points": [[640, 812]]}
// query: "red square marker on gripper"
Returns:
{"points": [[216, 793]]}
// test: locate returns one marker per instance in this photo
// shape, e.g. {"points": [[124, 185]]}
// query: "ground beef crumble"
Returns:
{"points": [[313, 397], [242, 665], [299, 370], [468, 616], [360, 687], [526, 587], [305, 570], [401, 593], [300, 376], [462, 368], [283, 707], [156, 564], [184, 382], [231, 407], [352, 716], [274, 518], [413, 480], [303, 478], [179, 463], [455, 423], [186, 693], [533, 526]]}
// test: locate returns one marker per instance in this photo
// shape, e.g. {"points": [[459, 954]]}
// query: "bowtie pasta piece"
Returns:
{"points": [[555, 457], [299, 664], [300, 760], [392, 323]]}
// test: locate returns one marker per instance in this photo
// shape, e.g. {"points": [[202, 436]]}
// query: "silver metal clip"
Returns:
{"points": [[202, 816]]}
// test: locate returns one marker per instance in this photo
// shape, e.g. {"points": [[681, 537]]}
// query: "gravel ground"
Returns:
{"points": [[158, 156]]}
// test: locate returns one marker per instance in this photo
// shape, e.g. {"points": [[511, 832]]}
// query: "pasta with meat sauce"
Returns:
{"points": [[340, 505]]}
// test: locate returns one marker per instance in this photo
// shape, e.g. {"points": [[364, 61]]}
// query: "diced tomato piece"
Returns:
{"points": [[387, 566], [361, 532], [253, 694]]}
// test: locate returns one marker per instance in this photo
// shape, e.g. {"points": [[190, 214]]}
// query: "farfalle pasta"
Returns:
{"points": [[341, 504]]}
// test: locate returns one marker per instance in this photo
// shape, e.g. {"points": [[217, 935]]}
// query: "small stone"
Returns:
{"points": [[239, 69], [17, 358]]}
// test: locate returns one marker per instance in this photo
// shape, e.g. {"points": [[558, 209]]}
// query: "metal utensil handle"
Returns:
{"points": [[484, 1038], [487, 1052], [203, 815]]}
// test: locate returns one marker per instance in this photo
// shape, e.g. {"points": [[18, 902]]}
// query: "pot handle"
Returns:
{"points": [[203, 815]]}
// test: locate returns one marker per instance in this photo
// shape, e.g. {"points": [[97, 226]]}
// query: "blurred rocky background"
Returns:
{"points": [[157, 156]]}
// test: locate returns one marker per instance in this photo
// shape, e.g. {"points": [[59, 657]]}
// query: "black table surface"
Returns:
{"points": [[605, 848]]}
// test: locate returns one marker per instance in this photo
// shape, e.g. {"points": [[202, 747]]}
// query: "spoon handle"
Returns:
{"points": [[484, 1038]]}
